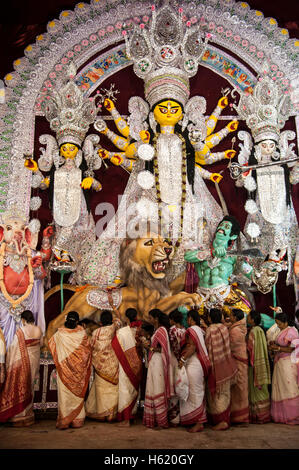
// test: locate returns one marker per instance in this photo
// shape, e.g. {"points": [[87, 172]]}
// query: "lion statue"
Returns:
{"points": [[144, 264]]}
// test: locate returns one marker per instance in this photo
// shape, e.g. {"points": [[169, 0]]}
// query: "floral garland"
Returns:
{"points": [[18, 301], [184, 179]]}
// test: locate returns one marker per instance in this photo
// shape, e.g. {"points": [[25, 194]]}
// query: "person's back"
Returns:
{"points": [[71, 353], [32, 331], [224, 370]]}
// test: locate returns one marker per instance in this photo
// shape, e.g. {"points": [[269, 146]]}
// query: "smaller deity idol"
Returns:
{"points": [[271, 217], [70, 115], [21, 272]]}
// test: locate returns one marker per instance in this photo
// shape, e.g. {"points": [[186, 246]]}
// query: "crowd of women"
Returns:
{"points": [[212, 370]]}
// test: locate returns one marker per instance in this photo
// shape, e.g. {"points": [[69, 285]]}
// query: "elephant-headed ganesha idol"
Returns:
{"points": [[21, 270]]}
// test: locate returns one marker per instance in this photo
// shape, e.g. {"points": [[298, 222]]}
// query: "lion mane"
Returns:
{"points": [[136, 276]]}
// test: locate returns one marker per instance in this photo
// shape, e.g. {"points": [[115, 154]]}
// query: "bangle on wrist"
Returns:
{"points": [[183, 360]]}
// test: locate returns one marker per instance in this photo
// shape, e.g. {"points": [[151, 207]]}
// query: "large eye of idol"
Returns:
{"points": [[168, 113]]}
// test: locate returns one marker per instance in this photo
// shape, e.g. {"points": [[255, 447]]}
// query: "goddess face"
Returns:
{"points": [[168, 113], [267, 147], [69, 151]]}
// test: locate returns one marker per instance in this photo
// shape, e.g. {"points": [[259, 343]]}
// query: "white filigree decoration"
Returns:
{"points": [[34, 225], [249, 183], [35, 203], [251, 206], [253, 230], [146, 179], [146, 152]]}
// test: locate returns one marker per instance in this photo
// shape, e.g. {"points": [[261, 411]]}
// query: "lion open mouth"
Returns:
{"points": [[160, 266]]}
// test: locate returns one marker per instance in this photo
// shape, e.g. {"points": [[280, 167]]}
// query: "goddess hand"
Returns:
{"points": [[116, 160], [48, 232], [86, 183], [145, 136], [232, 126], [109, 104], [103, 153], [36, 261], [223, 102], [216, 177], [229, 154], [30, 164]]}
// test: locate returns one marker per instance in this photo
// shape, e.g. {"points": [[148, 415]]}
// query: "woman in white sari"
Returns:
{"points": [[194, 357]]}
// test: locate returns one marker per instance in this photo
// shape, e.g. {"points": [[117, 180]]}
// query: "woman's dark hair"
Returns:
{"points": [[131, 314], [148, 327], [256, 317], [72, 320], [238, 313], [27, 315], [194, 315], [283, 317], [215, 315], [189, 148], [163, 319], [253, 161], [176, 316], [106, 318]]}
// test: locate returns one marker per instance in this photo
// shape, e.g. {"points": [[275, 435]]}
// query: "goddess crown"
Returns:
{"points": [[265, 110], [165, 56], [69, 112]]}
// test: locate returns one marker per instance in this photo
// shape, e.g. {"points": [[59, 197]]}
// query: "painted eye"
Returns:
{"points": [[163, 110], [149, 243], [174, 111]]}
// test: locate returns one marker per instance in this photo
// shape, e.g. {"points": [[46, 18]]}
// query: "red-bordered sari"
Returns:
{"points": [[159, 383], [22, 366], [71, 353], [102, 402], [130, 368], [285, 380], [224, 370], [239, 391], [198, 368]]}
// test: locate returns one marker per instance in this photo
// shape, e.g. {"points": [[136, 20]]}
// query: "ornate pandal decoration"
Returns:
{"points": [[184, 179], [18, 301]]}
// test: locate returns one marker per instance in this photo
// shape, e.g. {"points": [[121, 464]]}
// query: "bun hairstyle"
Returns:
{"points": [[195, 316], [72, 320], [163, 319], [27, 315]]}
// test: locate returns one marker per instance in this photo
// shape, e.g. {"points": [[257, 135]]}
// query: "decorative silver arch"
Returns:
{"points": [[85, 32]]}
